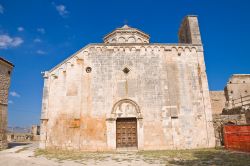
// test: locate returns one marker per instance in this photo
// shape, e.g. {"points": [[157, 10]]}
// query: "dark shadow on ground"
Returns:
{"points": [[14, 144], [214, 158]]}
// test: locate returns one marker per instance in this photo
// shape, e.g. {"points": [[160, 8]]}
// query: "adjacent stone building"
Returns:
{"points": [[130, 93], [237, 91], [237, 94], [19, 137], [218, 101], [231, 106], [35, 131], [5, 72]]}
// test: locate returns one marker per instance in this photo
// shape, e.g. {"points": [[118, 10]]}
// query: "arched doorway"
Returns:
{"points": [[124, 125]]}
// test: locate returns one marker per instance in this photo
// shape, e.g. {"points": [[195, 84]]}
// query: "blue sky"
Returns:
{"points": [[37, 35]]}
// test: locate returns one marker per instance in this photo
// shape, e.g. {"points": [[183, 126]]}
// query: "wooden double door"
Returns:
{"points": [[126, 132]]}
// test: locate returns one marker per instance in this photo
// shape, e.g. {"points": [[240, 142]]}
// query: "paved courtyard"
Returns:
{"points": [[29, 155]]}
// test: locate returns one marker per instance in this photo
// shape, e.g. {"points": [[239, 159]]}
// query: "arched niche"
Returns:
{"points": [[131, 39], [113, 40], [139, 40], [121, 40], [126, 108]]}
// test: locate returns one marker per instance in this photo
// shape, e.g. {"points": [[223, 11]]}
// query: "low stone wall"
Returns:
{"points": [[19, 137], [220, 120], [35, 137]]}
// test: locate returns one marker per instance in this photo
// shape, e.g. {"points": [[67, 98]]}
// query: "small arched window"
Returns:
{"points": [[121, 40], [131, 40]]}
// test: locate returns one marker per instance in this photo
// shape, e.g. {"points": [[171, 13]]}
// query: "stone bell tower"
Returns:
{"points": [[189, 31]]}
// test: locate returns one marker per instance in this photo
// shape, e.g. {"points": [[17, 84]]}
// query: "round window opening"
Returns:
{"points": [[126, 70], [88, 69]]}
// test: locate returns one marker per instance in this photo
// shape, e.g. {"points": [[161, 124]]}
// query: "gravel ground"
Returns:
{"points": [[29, 155], [25, 155]]}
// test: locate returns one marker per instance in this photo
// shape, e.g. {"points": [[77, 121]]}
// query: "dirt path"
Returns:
{"points": [[29, 155], [23, 155]]}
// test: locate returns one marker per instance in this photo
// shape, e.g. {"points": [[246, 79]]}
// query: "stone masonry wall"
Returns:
{"points": [[220, 120], [189, 31], [164, 87], [5, 70], [167, 82], [238, 86], [218, 101], [224, 109]]}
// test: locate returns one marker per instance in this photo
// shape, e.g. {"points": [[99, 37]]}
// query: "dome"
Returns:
{"points": [[126, 34]]}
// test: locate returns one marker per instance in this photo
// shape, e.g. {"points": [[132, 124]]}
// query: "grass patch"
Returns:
{"points": [[72, 155], [201, 157]]}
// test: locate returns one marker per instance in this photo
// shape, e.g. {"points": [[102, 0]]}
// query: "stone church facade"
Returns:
{"points": [[130, 93]]}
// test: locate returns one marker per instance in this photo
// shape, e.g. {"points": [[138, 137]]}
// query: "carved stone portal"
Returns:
{"points": [[125, 108]]}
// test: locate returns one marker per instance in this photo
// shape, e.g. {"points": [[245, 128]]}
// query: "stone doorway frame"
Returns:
{"points": [[111, 123]]}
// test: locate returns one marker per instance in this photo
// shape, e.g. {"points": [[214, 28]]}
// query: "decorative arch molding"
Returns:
{"points": [[131, 39], [119, 111], [121, 40], [126, 108]]}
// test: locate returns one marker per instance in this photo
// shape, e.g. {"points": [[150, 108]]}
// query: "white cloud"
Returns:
{"points": [[10, 102], [41, 30], [1, 9], [41, 52], [20, 29], [7, 41], [14, 94], [61, 9], [37, 40]]}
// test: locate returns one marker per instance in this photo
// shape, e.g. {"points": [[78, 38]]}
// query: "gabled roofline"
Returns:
{"points": [[8, 62], [51, 70]]}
